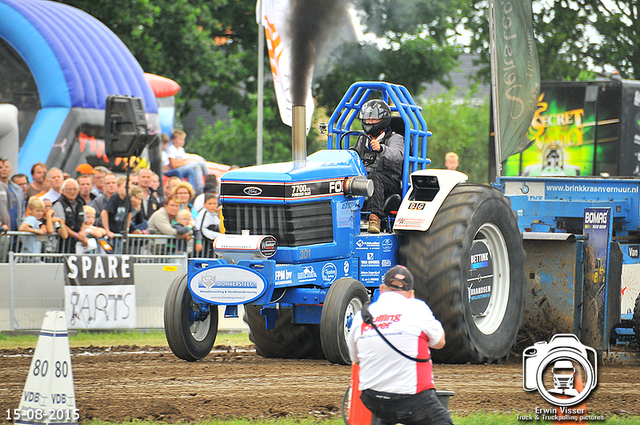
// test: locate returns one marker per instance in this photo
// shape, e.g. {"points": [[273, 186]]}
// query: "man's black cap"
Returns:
{"points": [[399, 277]]}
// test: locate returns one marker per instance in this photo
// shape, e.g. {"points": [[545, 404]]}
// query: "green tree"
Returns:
{"points": [[413, 45], [573, 37], [459, 127], [210, 49], [206, 46], [618, 26], [233, 141]]}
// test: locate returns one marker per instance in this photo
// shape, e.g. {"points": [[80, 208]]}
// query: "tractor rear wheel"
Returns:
{"points": [[344, 299], [287, 340], [189, 334], [469, 268]]}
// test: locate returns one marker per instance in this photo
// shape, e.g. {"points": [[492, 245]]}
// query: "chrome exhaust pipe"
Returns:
{"points": [[299, 136]]}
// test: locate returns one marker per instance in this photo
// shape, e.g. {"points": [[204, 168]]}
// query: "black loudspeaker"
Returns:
{"points": [[125, 126]]}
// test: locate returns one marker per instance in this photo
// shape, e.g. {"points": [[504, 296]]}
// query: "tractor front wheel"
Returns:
{"points": [[344, 299], [190, 330]]}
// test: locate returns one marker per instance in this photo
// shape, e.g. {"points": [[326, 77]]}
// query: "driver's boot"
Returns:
{"points": [[374, 224]]}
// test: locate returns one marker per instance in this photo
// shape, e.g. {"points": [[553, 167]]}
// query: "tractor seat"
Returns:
{"points": [[392, 204], [397, 124]]}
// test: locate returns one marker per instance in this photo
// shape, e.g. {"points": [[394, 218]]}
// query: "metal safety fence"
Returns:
{"points": [[33, 282], [145, 248], [32, 274]]}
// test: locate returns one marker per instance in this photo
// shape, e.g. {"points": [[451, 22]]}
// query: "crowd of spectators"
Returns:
{"points": [[92, 211]]}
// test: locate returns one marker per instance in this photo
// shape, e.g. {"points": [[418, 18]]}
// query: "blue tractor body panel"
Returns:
{"points": [[555, 271], [266, 282]]}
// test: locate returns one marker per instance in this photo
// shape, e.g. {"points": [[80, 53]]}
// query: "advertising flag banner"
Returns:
{"points": [[274, 20], [515, 74], [99, 292]]}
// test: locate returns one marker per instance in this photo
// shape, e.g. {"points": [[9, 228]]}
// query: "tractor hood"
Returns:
{"points": [[321, 177]]}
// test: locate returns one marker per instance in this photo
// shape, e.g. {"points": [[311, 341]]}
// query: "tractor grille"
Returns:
{"points": [[291, 224]]}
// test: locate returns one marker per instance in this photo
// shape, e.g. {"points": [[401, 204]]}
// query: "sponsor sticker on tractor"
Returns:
{"points": [[480, 278], [228, 285]]}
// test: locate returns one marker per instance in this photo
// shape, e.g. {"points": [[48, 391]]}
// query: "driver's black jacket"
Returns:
{"points": [[389, 160]]}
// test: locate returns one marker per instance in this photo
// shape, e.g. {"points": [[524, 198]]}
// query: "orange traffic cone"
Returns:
{"points": [[358, 414]]}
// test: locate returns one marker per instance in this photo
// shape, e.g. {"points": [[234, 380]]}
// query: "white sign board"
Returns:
{"points": [[100, 292]]}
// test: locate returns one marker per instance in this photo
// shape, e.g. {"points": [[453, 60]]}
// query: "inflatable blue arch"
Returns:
{"points": [[60, 64]]}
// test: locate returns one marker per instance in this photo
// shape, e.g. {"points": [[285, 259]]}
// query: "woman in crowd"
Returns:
{"points": [[184, 192]]}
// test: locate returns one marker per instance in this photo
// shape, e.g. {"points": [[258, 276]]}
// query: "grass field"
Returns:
{"points": [[475, 419], [154, 338]]}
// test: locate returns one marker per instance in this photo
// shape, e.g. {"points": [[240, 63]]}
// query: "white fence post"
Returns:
{"points": [[11, 292]]}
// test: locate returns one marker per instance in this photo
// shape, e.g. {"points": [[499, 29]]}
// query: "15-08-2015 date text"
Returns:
{"points": [[43, 414]]}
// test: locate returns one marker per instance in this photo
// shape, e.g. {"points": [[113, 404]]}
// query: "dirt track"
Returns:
{"points": [[126, 383]]}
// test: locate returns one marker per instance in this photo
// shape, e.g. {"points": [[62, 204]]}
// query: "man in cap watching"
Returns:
{"points": [[394, 388]]}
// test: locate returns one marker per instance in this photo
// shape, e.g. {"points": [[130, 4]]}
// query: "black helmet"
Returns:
{"points": [[375, 109]]}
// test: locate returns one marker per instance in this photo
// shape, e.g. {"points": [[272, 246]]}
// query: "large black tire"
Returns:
{"points": [[481, 217], [189, 339], [344, 299], [286, 340]]}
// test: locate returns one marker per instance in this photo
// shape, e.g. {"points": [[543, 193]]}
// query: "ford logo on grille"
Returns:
{"points": [[252, 191]]}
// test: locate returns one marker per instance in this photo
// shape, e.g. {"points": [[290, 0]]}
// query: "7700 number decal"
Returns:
{"points": [[299, 190], [324, 188]]}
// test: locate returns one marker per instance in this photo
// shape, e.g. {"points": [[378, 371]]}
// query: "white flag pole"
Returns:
{"points": [[260, 85], [494, 87]]}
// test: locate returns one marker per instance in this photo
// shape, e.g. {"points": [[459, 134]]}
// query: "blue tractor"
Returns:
{"points": [[297, 256]]}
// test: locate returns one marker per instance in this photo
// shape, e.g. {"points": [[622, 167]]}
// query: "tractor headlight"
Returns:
{"points": [[245, 246]]}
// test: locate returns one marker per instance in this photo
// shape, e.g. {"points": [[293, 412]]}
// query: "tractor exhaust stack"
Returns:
{"points": [[298, 136]]}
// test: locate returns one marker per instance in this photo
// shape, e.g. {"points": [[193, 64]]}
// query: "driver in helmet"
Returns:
{"points": [[382, 154]]}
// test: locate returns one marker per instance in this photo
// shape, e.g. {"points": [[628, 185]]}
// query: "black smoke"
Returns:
{"points": [[313, 24]]}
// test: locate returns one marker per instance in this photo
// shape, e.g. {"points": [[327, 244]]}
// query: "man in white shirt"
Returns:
{"points": [[180, 161], [54, 179], [394, 388]]}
